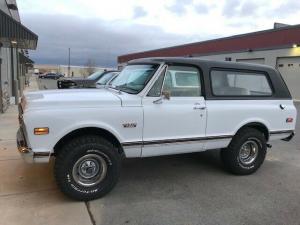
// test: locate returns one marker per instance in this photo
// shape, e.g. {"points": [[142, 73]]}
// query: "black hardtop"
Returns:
{"points": [[280, 90], [202, 62]]}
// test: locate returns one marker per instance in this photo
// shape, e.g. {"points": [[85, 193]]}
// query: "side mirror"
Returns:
{"points": [[166, 95]]}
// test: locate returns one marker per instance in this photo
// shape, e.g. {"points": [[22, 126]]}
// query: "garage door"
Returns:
{"points": [[290, 71], [254, 61]]}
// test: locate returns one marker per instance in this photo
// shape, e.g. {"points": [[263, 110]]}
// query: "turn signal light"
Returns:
{"points": [[41, 130]]}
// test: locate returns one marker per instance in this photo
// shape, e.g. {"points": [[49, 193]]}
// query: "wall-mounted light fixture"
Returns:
{"points": [[14, 42], [296, 45]]}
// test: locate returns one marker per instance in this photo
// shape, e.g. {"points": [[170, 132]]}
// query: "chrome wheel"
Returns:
{"points": [[89, 170], [248, 152]]}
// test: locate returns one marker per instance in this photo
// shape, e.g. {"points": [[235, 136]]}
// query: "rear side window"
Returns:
{"points": [[239, 83]]}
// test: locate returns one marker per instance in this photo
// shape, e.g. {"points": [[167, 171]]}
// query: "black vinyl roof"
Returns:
{"points": [[13, 33], [200, 62], [280, 88]]}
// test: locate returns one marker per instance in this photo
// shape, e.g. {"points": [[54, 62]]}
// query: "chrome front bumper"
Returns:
{"points": [[27, 154]]}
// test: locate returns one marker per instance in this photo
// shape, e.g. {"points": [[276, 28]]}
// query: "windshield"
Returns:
{"points": [[134, 78], [110, 82], [95, 76], [106, 77]]}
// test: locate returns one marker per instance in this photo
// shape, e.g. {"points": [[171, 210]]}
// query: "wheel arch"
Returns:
{"points": [[86, 131], [259, 126]]}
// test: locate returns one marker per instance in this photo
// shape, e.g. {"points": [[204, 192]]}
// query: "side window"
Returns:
{"points": [[237, 83], [182, 81]]}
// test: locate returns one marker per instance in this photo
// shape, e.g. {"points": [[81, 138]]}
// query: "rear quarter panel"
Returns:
{"points": [[226, 117]]}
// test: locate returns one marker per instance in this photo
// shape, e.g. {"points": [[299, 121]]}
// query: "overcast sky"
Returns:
{"points": [[103, 29]]}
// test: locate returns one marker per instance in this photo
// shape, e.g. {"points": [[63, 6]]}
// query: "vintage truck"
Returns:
{"points": [[155, 107]]}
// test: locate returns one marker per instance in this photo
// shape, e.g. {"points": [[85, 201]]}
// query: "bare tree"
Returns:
{"points": [[90, 67]]}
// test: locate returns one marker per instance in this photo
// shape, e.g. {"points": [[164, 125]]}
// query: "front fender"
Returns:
{"points": [[85, 124]]}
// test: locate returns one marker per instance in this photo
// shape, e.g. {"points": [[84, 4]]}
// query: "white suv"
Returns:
{"points": [[156, 106]]}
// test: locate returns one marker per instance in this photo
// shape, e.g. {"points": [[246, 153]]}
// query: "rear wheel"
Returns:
{"points": [[246, 152], [87, 167]]}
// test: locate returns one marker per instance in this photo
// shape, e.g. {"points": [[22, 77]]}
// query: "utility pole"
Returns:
{"points": [[69, 63]]}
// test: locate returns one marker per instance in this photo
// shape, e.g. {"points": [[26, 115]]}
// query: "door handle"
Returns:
{"points": [[199, 106], [282, 106]]}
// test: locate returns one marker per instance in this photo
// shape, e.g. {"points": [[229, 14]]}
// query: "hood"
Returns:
{"points": [[75, 98], [76, 83]]}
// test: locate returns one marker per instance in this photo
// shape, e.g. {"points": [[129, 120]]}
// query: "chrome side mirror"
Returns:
{"points": [[165, 95]]}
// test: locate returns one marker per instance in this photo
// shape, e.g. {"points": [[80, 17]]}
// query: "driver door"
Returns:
{"points": [[174, 113]]}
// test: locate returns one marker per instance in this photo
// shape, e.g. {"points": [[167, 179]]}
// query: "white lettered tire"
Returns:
{"points": [[87, 167], [246, 152]]}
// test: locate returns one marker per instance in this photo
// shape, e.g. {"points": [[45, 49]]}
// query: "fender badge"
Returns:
{"points": [[129, 125]]}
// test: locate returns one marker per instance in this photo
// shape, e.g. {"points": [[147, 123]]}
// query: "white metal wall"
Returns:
{"points": [[270, 56], [289, 67], [255, 61]]}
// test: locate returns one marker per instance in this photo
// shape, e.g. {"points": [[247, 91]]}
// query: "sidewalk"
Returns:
{"points": [[28, 194]]}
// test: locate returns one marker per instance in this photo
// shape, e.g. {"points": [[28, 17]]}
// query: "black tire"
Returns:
{"points": [[97, 150], [237, 163]]}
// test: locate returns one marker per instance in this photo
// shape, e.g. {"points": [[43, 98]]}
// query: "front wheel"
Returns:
{"points": [[246, 152], [87, 168]]}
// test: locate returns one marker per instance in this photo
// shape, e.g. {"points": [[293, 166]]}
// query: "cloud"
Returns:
{"points": [[286, 8], [201, 8], [93, 39], [249, 9], [237, 8], [179, 6], [98, 30], [230, 8], [139, 12]]}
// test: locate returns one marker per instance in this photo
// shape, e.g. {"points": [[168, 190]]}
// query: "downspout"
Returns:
{"points": [[18, 64], [12, 71], [1, 91]]}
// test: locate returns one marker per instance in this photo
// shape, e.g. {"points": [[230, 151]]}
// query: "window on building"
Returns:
{"points": [[237, 83]]}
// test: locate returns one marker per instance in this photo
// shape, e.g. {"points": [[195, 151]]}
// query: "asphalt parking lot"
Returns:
{"points": [[188, 189]]}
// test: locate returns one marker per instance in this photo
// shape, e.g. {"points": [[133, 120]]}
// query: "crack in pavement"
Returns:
{"points": [[28, 192], [88, 207], [3, 160], [7, 139]]}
